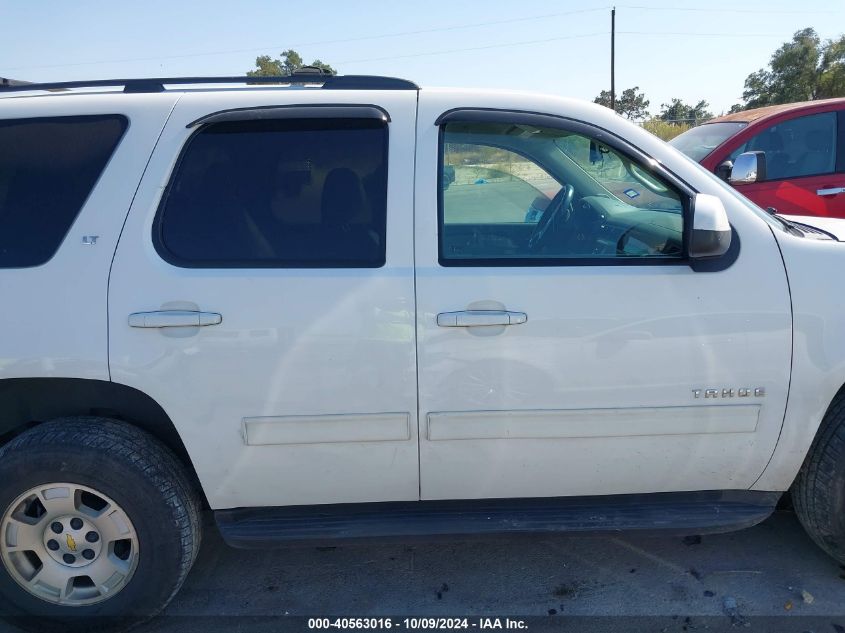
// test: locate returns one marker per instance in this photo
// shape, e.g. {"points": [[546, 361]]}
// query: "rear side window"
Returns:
{"points": [[48, 167], [284, 193]]}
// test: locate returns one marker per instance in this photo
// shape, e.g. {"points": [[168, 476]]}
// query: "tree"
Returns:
{"points": [[793, 73], [802, 69], [677, 110], [832, 70], [631, 104], [289, 62]]}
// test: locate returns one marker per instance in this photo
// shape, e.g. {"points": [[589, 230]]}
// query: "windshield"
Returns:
{"points": [[617, 175], [700, 141]]}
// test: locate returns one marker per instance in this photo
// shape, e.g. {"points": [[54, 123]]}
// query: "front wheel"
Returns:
{"points": [[819, 490], [99, 526]]}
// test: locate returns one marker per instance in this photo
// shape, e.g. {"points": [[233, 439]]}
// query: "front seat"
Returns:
{"points": [[345, 218], [225, 233], [818, 159], [777, 160]]}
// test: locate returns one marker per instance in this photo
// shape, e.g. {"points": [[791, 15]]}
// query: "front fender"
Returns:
{"points": [[814, 270]]}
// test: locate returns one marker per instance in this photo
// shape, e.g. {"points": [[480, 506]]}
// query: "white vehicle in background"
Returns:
{"points": [[345, 307]]}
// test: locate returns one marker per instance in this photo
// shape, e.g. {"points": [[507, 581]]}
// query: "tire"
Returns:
{"points": [[119, 480], [818, 493]]}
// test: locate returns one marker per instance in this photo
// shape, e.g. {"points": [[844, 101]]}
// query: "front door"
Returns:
{"points": [[805, 168], [262, 293], [565, 345]]}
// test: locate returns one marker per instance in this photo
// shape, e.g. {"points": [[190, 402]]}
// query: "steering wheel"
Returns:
{"points": [[561, 202]]}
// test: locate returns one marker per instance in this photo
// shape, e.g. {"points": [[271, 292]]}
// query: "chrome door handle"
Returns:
{"points": [[831, 191], [174, 318], [473, 318]]}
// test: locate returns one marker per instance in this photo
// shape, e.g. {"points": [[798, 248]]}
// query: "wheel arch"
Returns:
{"points": [[804, 424], [834, 401], [27, 402]]}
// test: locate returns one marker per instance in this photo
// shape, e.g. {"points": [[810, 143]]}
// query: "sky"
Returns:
{"points": [[689, 50]]}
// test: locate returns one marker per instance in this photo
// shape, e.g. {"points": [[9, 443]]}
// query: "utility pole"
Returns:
{"points": [[613, 59]]}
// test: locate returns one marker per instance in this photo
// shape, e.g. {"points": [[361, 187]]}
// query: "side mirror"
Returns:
{"points": [[711, 231], [723, 171], [748, 167]]}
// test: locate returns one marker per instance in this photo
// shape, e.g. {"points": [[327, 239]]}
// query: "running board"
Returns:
{"points": [[681, 512]]}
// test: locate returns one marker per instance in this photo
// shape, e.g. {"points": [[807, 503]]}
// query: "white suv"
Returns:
{"points": [[347, 307]]}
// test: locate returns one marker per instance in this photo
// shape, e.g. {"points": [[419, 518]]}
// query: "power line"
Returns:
{"points": [[487, 47], [697, 34], [555, 39], [711, 10], [457, 27], [454, 27], [474, 48]]}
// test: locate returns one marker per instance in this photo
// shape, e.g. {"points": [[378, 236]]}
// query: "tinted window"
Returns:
{"points": [[524, 195], [48, 167], [279, 193], [804, 146]]}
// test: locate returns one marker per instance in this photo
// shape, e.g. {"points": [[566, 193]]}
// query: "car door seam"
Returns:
{"points": [[791, 361], [416, 299], [120, 234]]}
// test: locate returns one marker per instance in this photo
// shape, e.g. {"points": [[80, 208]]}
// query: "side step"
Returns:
{"points": [[683, 512]]}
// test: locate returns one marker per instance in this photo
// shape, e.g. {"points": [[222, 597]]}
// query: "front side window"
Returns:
{"points": [[521, 187], [283, 193], [804, 146], [48, 167], [524, 195]]}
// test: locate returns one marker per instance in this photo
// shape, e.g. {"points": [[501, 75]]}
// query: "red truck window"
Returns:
{"points": [[803, 146]]}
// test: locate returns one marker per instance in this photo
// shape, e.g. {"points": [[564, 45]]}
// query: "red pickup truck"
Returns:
{"points": [[789, 157]]}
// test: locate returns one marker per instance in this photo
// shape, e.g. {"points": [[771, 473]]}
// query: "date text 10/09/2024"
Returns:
{"points": [[418, 623]]}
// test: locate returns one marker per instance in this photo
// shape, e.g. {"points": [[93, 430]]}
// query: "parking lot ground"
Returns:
{"points": [[767, 578]]}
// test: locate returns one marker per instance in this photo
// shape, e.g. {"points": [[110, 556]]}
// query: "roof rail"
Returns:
{"points": [[157, 84], [5, 81]]}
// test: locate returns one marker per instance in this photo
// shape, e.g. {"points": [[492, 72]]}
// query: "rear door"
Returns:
{"points": [[262, 293], [579, 353], [805, 165], [69, 167]]}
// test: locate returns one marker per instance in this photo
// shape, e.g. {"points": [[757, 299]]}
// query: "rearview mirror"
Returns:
{"points": [[711, 231], [595, 155], [748, 167]]}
